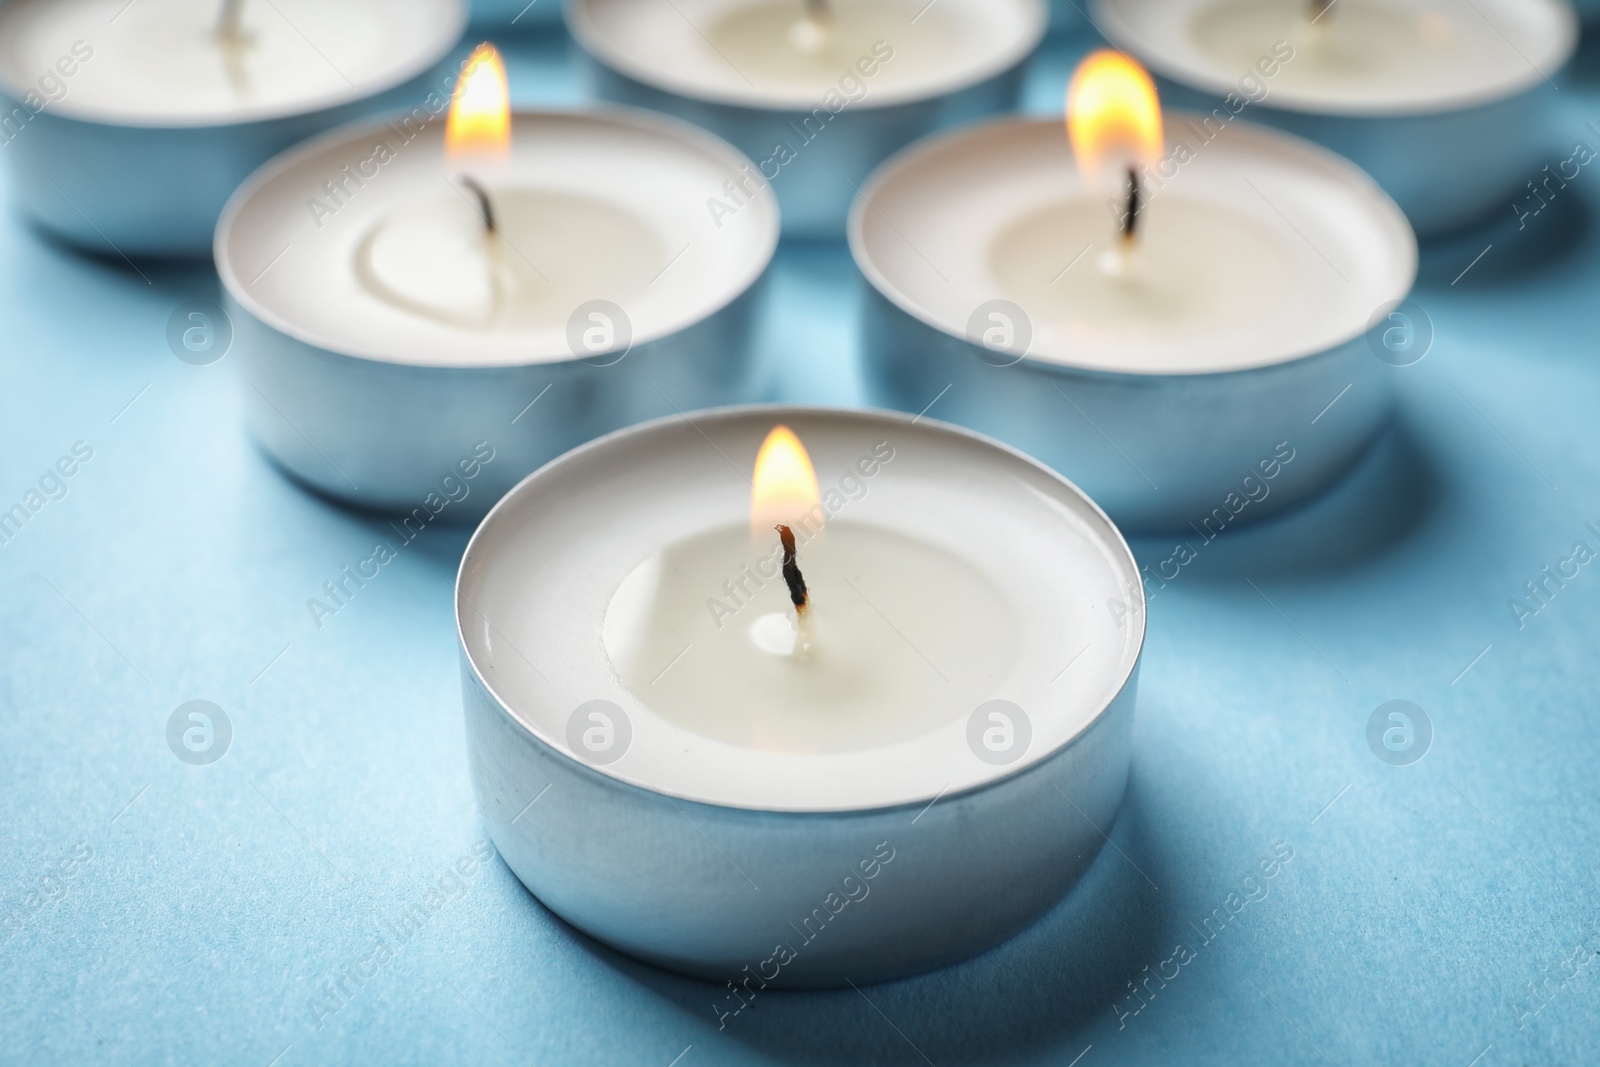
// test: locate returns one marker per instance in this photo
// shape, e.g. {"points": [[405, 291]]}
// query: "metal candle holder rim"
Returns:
{"points": [[70, 109], [1119, 544], [1105, 18], [1063, 363], [628, 116], [596, 45]]}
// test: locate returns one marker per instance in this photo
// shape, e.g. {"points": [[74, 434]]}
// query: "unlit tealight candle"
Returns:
{"points": [[173, 62]]}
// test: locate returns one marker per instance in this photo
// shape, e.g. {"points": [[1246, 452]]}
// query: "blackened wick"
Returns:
{"points": [[791, 571], [485, 205], [1130, 218]]}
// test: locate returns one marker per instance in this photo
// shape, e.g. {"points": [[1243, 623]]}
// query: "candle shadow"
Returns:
{"points": [[178, 277], [1382, 502], [442, 544], [443, 540], [1032, 993], [1508, 247]]}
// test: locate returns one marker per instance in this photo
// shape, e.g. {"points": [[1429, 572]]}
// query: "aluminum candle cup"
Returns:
{"points": [[980, 621], [1442, 101], [816, 107], [128, 126], [350, 272], [1236, 377]]}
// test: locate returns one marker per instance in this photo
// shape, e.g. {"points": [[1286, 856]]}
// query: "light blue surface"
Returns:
{"points": [[1419, 904]]}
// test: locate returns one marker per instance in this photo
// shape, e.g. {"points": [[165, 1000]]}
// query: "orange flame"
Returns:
{"points": [[785, 486], [1113, 117], [479, 126]]}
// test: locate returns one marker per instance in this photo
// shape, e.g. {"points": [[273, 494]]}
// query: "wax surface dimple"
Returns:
{"points": [[1195, 270], [551, 253], [1359, 50], [768, 42], [903, 638], [865, 53]]}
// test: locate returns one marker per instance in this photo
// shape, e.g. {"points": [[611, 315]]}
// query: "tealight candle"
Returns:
{"points": [[130, 124], [763, 673], [1442, 101], [402, 293], [818, 92], [1165, 354]]}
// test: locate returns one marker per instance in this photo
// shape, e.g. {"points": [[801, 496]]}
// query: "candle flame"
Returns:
{"points": [[1113, 118], [479, 126], [784, 487]]}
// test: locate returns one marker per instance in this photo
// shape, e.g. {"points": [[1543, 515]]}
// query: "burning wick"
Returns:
{"points": [[783, 490], [499, 282], [1118, 261], [485, 206], [1130, 217], [1114, 126], [813, 31], [477, 138], [791, 572]]}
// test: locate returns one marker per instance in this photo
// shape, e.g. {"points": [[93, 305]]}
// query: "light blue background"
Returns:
{"points": [[1420, 901]]}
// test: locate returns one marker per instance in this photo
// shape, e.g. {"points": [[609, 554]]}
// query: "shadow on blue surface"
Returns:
{"points": [[1385, 500], [1543, 241], [1034, 992], [179, 277]]}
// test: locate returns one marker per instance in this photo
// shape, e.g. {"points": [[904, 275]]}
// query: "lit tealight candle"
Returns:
{"points": [[790, 649], [798, 664], [1154, 318], [483, 249], [403, 292], [182, 100], [817, 92], [1441, 101]]}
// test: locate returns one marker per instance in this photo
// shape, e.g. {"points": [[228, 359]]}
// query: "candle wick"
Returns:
{"points": [[500, 281], [1130, 217], [1320, 8], [485, 205], [791, 572], [228, 21], [819, 12]]}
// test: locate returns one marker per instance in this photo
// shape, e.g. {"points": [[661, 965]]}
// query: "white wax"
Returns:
{"points": [[1197, 271], [549, 252], [390, 262], [761, 53], [703, 633], [1362, 56], [577, 586], [163, 62], [1261, 248], [774, 44]]}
